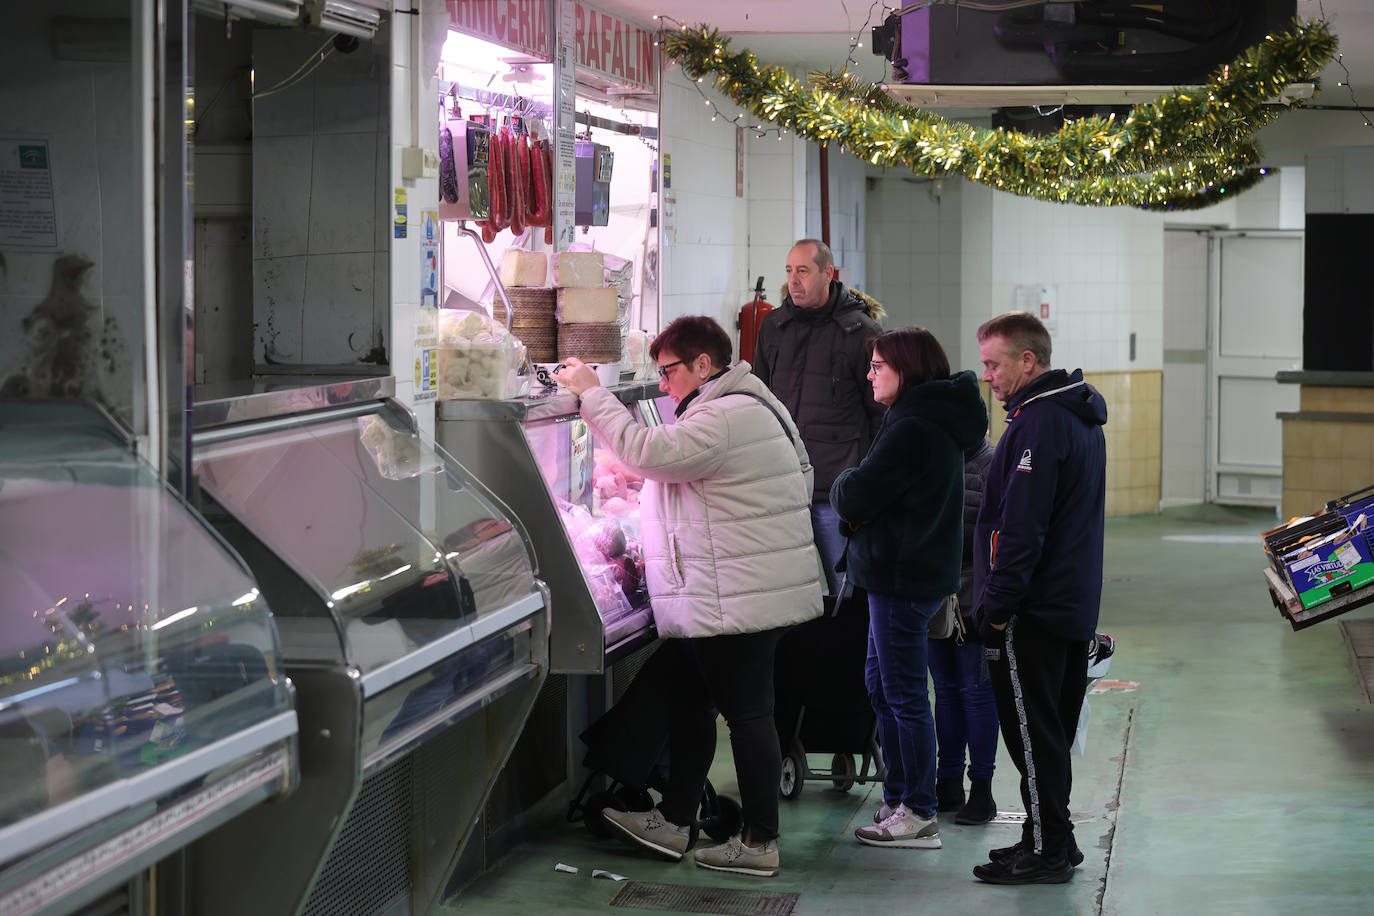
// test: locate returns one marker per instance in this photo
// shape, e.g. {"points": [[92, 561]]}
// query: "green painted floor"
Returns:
{"points": [[1237, 778]]}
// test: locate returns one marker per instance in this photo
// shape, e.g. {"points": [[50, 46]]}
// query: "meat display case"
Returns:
{"points": [[581, 507], [410, 618], [142, 699]]}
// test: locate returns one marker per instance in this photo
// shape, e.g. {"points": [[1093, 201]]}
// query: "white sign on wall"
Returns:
{"points": [[1039, 300], [28, 210]]}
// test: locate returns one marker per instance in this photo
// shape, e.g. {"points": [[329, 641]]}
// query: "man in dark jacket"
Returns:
{"points": [[811, 354], [1038, 580]]}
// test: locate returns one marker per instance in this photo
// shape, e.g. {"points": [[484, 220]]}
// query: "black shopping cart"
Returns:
{"points": [[821, 705], [627, 753]]}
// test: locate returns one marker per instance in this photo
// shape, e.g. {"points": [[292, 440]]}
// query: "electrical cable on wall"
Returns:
{"points": [[317, 57]]}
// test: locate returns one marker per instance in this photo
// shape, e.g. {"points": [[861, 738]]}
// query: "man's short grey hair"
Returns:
{"points": [[824, 257], [1022, 331]]}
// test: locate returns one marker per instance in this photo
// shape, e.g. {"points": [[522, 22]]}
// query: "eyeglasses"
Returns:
{"points": [[663, 370], [875, 365]]}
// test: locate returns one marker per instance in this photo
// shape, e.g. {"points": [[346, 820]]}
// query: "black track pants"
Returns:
{"points": [[1039, 680]]}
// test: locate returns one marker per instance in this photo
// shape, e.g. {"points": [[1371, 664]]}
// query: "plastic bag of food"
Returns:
{"points": [[479, 359], [397, 453]]}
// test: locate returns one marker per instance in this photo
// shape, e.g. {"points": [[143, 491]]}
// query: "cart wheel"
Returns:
{"points": [[842, 765], [790, 785], [591, 813], [727, 820]]}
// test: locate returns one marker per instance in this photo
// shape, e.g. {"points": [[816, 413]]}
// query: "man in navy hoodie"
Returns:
{"points": [[1038, 580]]}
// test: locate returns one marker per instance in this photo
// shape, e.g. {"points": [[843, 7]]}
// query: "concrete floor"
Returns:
{"points": [[1234, 779]]}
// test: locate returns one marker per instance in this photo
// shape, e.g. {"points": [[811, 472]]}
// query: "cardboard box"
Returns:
{"points": [[1330, 567]]}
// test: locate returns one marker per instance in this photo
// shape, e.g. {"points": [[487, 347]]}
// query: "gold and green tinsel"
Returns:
{"points": [[1185, 149]]}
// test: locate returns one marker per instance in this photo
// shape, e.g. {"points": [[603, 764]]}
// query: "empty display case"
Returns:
{"points": [[142, 700]]}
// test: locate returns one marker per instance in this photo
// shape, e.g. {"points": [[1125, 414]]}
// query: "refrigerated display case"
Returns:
{"points": [[142, 698], [409, 614], [582, 509]]}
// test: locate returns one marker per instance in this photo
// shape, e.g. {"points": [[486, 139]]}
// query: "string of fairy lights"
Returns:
{"points": [[1185, 149], [1340, 62], [738, 120]]}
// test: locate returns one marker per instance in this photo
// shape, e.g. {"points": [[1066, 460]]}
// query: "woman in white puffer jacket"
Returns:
{"points": [[731, 564]]}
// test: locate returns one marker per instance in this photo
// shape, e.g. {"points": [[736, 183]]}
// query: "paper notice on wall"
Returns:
{"points": [[28, 210], [429, 259], [1039, 300], [426, 354], [565, 135]]}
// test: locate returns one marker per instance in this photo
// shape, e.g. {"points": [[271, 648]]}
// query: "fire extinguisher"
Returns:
{"points": [[750, 318]]}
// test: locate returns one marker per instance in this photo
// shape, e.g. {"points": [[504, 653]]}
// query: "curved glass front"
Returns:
{"points": [[130, 636], [369, 526]]}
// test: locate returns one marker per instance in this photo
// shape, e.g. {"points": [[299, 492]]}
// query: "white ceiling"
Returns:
{"points": [[816, 35]]}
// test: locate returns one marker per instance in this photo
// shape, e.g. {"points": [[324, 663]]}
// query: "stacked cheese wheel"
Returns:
{"points": [[523, 274], [587, 309]]}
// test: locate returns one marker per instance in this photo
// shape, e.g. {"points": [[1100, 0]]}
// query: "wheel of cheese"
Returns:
{"points": [[541, 344], [591, 342], [533, 305]]}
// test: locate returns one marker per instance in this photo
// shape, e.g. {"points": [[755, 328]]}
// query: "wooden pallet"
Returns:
{"points": [[1290, 606]]}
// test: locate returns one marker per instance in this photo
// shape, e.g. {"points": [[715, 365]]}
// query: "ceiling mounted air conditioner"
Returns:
{"points": [[286, 12], [358, 18]]}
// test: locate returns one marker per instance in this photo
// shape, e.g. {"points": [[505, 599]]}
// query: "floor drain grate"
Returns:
{"points": [[724, 901]]}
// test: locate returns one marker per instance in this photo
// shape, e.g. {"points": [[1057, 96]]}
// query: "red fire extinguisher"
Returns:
{"points": [[750, 318]]}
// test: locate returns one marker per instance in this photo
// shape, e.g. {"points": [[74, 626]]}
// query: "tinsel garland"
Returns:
{"points": [[1185, 149]]}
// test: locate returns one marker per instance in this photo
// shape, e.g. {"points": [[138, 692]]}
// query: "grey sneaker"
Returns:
{"points": [[902, 830], [651, 830], [734, 856]]}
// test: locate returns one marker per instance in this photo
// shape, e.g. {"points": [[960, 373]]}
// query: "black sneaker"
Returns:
{"points": [[1025, 868], [1007, 852]]}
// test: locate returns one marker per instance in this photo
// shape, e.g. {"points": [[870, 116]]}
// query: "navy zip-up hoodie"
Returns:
{"points": [[904, 502], [1037, 547]]}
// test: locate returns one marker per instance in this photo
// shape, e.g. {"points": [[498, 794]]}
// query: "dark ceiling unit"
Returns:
{"points": [[1098, 42]]}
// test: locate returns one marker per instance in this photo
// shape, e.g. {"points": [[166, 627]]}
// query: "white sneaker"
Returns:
{"points": [[903, 830]]}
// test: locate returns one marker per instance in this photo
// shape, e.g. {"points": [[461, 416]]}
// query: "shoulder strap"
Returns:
{"points": [[771, 409]]}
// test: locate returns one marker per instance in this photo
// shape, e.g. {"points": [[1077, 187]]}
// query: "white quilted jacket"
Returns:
{"points": [[725, 511]]}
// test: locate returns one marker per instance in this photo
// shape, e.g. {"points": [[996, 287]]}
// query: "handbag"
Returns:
{"points": [[948, 622]]}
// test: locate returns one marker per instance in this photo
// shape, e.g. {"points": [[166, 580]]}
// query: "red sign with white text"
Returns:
{"points": [[614, 48], [520, 25]]}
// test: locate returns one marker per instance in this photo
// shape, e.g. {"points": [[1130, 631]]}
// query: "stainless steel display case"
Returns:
{"points": [[540, 457], [407, 605], [142, 699]]}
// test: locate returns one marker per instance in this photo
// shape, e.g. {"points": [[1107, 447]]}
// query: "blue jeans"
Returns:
{"points": [[965, 709], [895, 675], [825, 528]]}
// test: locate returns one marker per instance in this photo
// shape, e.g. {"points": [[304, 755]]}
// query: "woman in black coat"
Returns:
{"points": [[902, 508]]}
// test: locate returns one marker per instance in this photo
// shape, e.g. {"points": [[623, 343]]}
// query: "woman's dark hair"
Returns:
{"points": [[692, 335], [914, 353]]}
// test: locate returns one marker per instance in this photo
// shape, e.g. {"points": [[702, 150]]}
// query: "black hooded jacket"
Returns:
{"points": [[904, 502], [815, 362], [1038, 544]]}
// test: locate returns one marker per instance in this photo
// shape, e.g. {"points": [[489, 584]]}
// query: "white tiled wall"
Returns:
{"points": [[913, 249], [706, 260], [321, 169], [776, 173], [83, 109], [1338, 181], [1106, 265], [848, 222]]}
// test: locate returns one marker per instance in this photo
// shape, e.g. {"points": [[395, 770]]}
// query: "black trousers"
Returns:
{"points": [[734, 676], [1038, 680]]}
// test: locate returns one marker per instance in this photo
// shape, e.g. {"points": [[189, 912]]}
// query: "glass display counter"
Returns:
{"points": [[406, 601], [582, 508], [142, 700]]}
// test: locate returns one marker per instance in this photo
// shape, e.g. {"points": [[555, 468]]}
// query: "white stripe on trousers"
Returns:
{"points": [[1037, 828]]}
